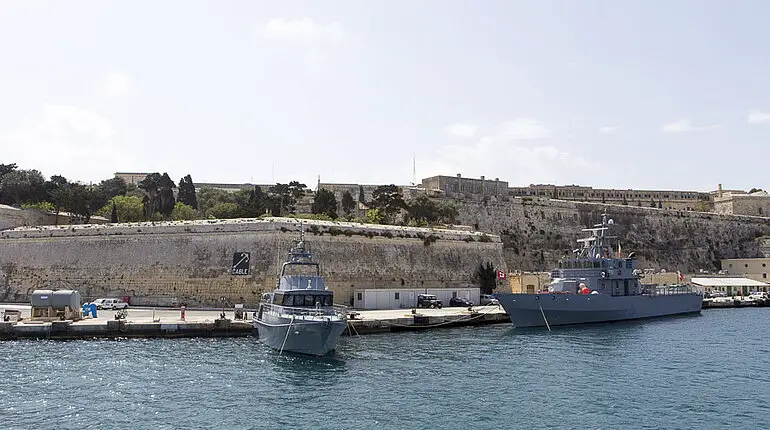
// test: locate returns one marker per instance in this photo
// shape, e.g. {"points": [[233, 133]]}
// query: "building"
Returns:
{"points": [[755, 268], [131, 177], [668, 199], [736, 202], [459, 187]]}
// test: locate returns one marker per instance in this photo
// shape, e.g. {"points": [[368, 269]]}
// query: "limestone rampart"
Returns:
{"points": [[190, 262], [537, 232]]}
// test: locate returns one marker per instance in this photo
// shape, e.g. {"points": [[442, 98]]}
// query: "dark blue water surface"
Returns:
{"points": [[707, 371]]}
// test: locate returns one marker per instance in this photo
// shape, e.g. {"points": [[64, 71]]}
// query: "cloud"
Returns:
{"points": [[509, 152], [303, 31], [116, 85], [608, 129], [524, 128], [462, 130], [759, 117], [684, 125], [65, 140]]}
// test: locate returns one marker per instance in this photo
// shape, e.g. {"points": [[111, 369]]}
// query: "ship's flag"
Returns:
{"points": [[619, 251], [681, 276]]}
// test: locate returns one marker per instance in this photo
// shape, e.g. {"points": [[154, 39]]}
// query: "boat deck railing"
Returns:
{"points": [[667, 290], [322, 311]]}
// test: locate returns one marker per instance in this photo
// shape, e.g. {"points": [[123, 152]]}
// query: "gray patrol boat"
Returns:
{"points": [[598, 286], [300, 315]]}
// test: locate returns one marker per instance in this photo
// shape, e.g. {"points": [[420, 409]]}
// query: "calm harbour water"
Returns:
{"points": [[707, 371]]}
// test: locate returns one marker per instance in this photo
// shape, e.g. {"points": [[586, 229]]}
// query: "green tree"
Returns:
{"points": [[282, 198], [422, 209], [209, 197], [348, 204], [158, 194], [389, 200], [43, 206], [113, 187], [486, 278], [114, 214], [251, 202], [448, 213], [361, 195], [19, 186], [183, 212], [325, 203], [187, 192], [375, 216], [128, 208], [754, 190], [84, 202], [224, 211], [7, 168], [57, 192]]}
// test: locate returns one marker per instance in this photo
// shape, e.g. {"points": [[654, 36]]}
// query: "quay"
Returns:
{"points": [[167, 322]]}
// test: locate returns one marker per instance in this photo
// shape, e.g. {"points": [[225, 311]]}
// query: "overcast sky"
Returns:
{"points": [[622, 94]]}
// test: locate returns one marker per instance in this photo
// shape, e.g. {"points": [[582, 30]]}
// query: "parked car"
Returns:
{"points": [[488, 299], [428, 301], [460, 301], [110, 304]]}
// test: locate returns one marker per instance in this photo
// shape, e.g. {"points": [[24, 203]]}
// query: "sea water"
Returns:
{"points": [[705, 371]]}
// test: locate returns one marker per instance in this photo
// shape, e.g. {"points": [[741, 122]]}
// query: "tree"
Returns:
{"points": [[361, 195], [283, 197], [113, 187], [251, 202], [114, 214], [7, 168], [19, 186], [325, 203], [389, 200], [348, 204], [183, 212], [755, 190], [422, 209], [159, 194], [187, 192], [127, 208], [84, 202], [224, 211], [486, 277], [209, 197]]}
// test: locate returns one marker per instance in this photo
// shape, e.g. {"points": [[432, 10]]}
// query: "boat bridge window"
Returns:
{"points": [[604, 264], [596, 264], [628, 264], [306, 300]]}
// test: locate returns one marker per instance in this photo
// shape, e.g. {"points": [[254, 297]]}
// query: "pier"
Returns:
{"points": [[167, 322]]}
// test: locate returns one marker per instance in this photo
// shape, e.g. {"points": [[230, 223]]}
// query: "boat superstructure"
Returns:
{"points": [[300, 315], [597, 285]]}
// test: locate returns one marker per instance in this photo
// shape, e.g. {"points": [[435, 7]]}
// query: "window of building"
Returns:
{"points": [[764, 275], [745, 265], [397, 296], [360, 296], [764, 265]]}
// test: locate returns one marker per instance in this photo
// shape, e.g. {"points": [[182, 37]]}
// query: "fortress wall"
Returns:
{"points": [[537, 232], [190, 262]]}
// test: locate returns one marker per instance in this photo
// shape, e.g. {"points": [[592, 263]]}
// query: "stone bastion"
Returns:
{"points": [[192, 262]]}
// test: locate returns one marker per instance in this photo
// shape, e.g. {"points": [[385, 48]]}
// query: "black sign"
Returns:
{"points": [[241, 263]]}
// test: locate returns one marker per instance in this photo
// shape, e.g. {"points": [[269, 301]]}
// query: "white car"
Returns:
{"points": [[110, 304], [488, 299]]}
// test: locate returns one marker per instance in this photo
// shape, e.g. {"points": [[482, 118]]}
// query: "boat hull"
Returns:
{"points": [[305, 336], [532, 310]]}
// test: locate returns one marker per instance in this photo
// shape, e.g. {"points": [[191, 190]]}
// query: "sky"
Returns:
{"points": [[610, 94]]}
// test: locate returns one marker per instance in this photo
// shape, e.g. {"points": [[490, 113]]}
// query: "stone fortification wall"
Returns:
{"points": [[537, 232], [190, 262]]}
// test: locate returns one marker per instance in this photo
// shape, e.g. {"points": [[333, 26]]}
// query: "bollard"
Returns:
{"points": [[182, 311]]}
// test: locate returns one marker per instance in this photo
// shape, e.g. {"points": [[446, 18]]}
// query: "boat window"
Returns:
{"points": [[310, 300], [604, 264], [288, 300], [628, 264], [278, 298], [596, 264]]}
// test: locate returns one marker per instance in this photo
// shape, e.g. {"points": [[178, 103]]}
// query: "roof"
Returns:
{"points": [[728, 282]]}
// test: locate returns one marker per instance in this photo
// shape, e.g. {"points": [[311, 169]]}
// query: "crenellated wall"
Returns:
{"points": [[189, 262]]}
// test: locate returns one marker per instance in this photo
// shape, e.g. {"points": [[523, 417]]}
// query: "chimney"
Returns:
{"points": [[719, 193]]}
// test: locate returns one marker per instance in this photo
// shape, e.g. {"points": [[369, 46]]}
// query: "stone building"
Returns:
{"points": [[459, 187], [734, 202], [681, 200]]}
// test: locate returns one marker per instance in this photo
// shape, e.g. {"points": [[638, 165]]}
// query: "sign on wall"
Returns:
{"points": [[241, 263]]}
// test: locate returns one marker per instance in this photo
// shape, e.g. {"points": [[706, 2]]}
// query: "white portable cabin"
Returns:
{"points": [[407, 297]]}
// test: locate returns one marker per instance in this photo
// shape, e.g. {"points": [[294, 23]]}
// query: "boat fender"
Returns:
{"points": [[327, 323], [553, 297], [537, 297], [604, 274]]}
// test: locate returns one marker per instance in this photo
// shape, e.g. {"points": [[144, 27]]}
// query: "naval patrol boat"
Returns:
{"points": [[300, 315], [596, 285]]}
